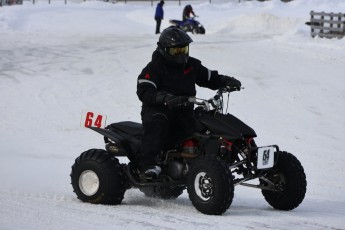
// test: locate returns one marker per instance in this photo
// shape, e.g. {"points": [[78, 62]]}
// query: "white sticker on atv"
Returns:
{"points": [[92, 119], [265, 157]]}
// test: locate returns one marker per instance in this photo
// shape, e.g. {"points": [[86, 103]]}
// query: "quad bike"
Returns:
{"points": [[189, 25], [220, 155]]}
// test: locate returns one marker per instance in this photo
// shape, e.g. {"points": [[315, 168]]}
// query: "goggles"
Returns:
{"points": [[176, 51]]}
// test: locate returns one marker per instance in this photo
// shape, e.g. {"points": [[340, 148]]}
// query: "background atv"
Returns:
{"points": [[220, 155], [189, 25]]}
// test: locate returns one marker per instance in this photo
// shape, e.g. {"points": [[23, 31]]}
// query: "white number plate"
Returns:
{"points": [[265, 157], [92, 119]]}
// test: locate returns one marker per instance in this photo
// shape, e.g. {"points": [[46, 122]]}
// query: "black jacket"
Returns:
{"points": [[176, 79]]}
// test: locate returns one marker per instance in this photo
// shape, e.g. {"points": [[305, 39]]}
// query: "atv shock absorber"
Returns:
{"points": [[189, 146], [225, 147], [189, 150]]}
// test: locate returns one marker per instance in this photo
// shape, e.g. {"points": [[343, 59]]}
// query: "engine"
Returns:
{"points": [[177, 169], [178, 164]]}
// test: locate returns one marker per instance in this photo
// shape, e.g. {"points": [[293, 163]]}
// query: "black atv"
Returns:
{"points": [[220, 155]]}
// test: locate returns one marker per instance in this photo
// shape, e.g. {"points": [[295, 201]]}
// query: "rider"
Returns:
{"points": [[187, 11], [163, 87]]}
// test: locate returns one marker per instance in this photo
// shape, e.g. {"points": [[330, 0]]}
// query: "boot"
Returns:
{"points": [[153, 172]]}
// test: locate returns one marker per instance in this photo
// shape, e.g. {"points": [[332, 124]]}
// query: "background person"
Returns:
{"points": [[187, 11], [159, 15]]}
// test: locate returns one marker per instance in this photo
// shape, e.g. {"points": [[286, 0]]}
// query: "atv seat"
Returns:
{"points": [[129, 127]]}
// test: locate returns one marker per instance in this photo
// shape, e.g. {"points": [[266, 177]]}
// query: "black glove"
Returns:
{"points": [[176, 102], [231, 82], [172, 101]]}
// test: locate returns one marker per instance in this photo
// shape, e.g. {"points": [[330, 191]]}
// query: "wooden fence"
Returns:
{"points": [[328, 25]]}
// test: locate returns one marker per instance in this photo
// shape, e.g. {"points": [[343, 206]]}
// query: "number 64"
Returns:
{"points": [[91, 119]]}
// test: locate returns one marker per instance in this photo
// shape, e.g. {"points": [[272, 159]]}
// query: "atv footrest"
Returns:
{"points": [[139, 181]]}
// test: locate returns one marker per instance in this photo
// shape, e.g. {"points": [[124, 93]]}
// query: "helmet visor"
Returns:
{"points": [[176, 51]]}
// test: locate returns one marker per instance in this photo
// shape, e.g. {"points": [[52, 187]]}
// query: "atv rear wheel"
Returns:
{"points": [[163, 192], [97, 177], [210, 185], [288, 175]]}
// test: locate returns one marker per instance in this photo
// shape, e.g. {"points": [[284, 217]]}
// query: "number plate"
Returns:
{"points": [[265, 157], [92, 119]]}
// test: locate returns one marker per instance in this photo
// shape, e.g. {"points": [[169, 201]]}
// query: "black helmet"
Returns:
{"points": [[173, 44]]}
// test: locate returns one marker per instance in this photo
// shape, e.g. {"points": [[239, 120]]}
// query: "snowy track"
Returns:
{"points": [[294, 95]]}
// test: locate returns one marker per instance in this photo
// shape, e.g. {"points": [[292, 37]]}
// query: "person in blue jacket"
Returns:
{"points": [[159, 15]]}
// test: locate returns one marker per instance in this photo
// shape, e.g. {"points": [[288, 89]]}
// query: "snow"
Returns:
{"points": [[58, 60]]}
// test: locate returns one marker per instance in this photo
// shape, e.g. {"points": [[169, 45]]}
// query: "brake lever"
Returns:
{"points": [[192, 100], [229, 89]]}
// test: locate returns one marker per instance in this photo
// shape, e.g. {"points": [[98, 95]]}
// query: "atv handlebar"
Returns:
{"points": [[216, 102]]}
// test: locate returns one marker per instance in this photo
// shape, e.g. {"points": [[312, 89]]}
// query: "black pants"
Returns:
{"points": [[162, 129], [158, 25]]}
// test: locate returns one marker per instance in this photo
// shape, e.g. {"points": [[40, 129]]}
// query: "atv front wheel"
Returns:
{"points": [[97, 177], [287, 175], [210, 185], [163, 192], [195, 30]]}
